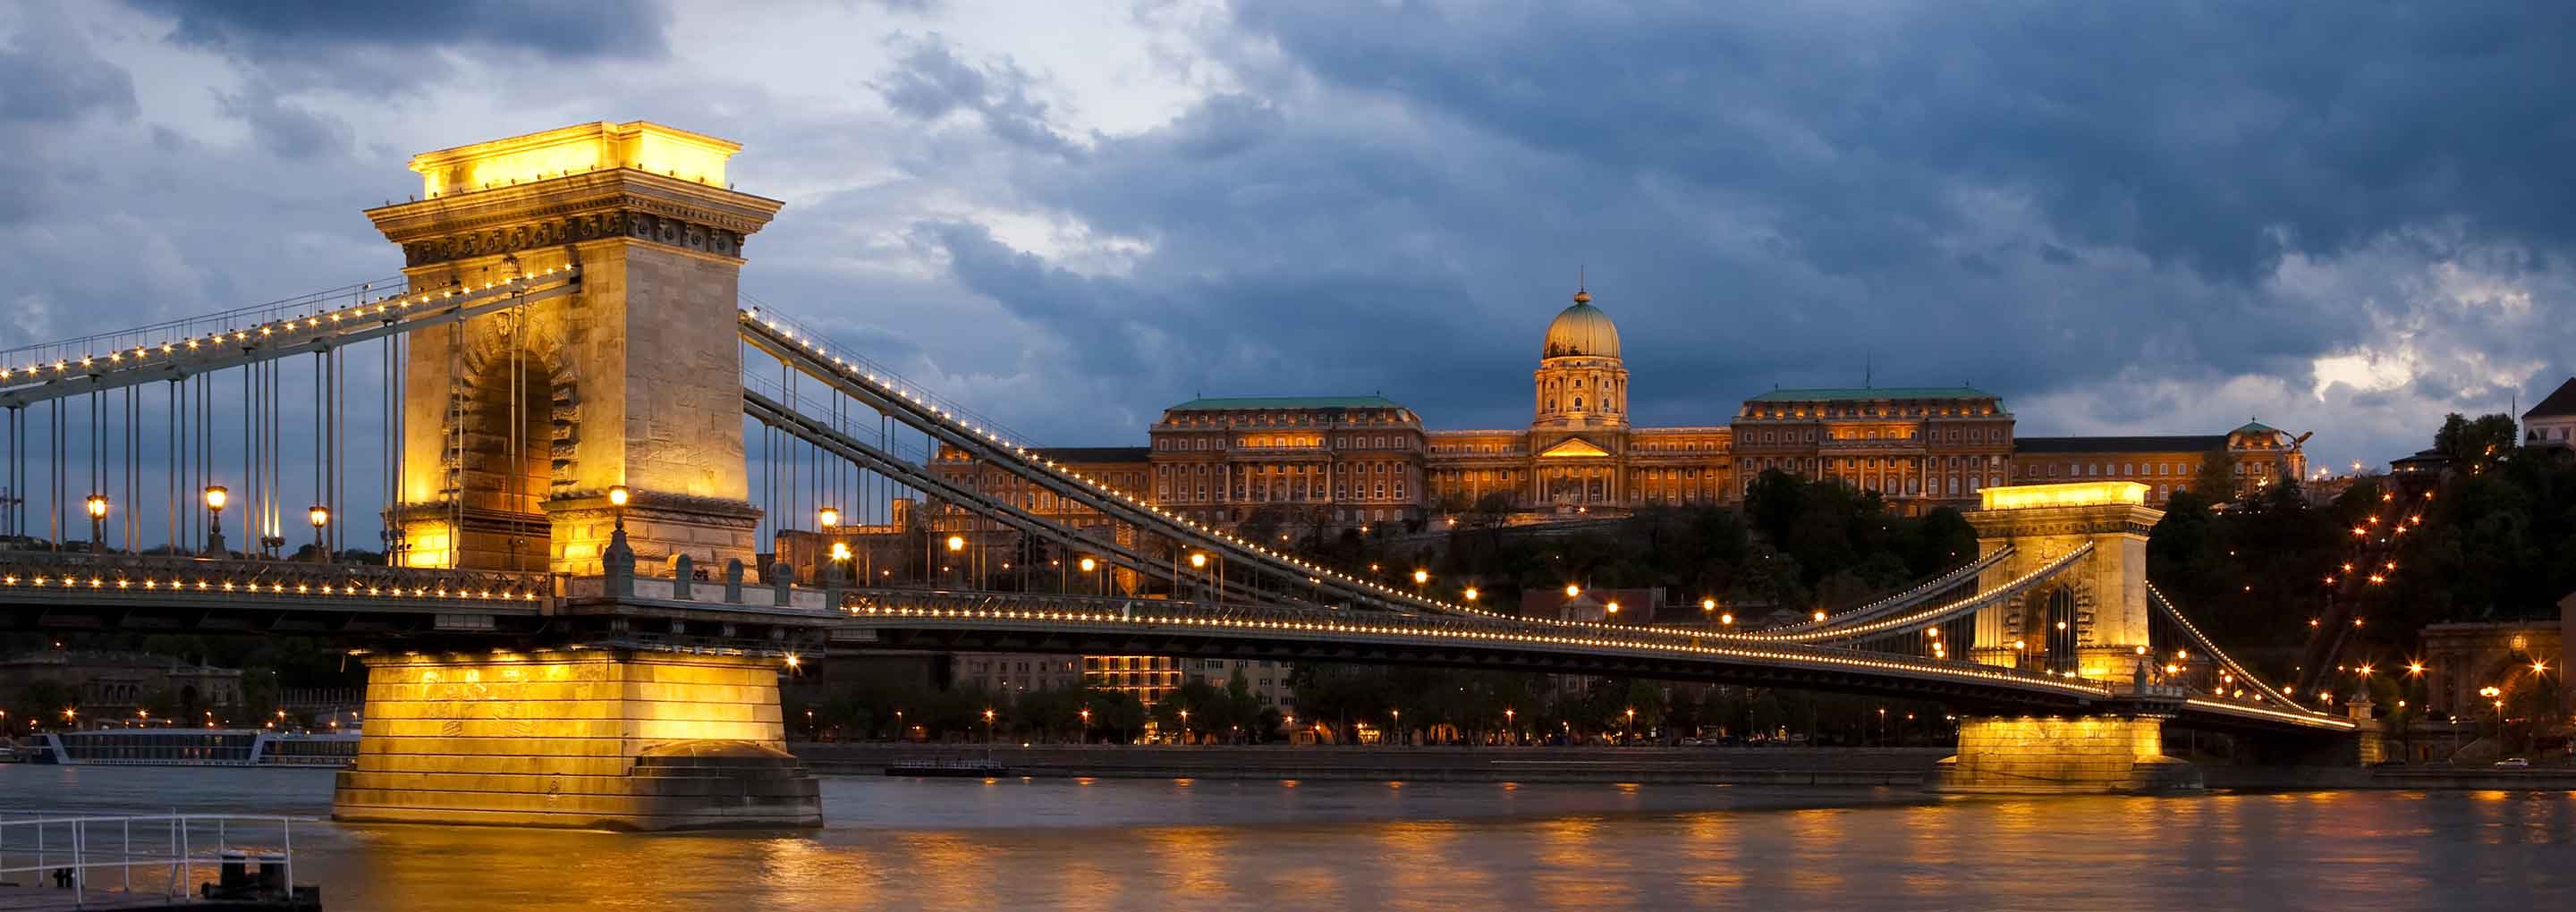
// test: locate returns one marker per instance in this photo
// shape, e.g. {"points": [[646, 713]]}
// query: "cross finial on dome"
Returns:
{"points": [[1581, 294]]}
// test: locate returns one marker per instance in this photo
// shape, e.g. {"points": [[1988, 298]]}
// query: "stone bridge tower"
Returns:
{"points": [[2093, 617], [516, 423]]}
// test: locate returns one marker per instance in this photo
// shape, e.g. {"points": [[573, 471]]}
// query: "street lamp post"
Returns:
{"points": [[1198, 563], [957, 544], [320, 516], [1421, 578], [1398, 725], [1089, 567], [216, 496], [617, 496], [1511, 733], [1185, 726], [988, 726], [97, 507], [1631, 734], [1084, 736]]}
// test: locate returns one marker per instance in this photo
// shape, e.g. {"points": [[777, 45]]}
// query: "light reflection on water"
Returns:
{"points": [[1124, 845]]}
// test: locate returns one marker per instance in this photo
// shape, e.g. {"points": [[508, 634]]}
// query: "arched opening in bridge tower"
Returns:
{"points": [[507, 465], [2057, 626]]}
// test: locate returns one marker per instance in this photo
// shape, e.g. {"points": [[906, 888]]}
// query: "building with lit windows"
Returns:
{"points": [[2260, 455], [1917, 446], [2552, 423]]}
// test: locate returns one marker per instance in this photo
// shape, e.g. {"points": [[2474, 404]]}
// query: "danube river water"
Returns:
{"points": [[1028, 844]]}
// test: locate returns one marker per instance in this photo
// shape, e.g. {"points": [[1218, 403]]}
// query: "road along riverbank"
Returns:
{"points": [[1749, 766]]}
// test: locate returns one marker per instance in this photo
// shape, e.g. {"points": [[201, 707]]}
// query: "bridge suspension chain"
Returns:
{"points": [[2200, 641], [1905, 598]]}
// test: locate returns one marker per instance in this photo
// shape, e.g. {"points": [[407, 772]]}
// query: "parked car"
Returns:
{"points": [[2516, 762]]}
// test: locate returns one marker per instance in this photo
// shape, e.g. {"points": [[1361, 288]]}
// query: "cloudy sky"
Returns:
{"points": [[2122, 217]]}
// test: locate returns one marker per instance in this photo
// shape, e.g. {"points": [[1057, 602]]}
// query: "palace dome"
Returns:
{"points": [[1581, 330]]}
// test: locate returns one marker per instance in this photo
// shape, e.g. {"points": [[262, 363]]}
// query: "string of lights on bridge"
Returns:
{"points": [[394, 305]]}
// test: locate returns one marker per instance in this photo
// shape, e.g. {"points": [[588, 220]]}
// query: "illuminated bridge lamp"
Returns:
{"points": [[97, 507], [827, 517], [617, 497], [1198, 560], [319, 516], [1572, 590], [956, 543], [1820, 615], [1708, 604], [216, 496], [1471, 593]]}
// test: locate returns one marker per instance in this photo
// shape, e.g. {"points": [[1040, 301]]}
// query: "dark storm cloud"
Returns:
{"points": [[50, 82], [2187, 131], [286, 129], [48, 73], [931, 81], [558, 30]]}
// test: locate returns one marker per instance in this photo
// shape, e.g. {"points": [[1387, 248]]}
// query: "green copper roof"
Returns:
{"points": [[1234, 403], [1872, 394], [2256, 427]]}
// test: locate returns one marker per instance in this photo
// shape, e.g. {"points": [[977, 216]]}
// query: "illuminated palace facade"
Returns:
{"points": [[1359, 461]]}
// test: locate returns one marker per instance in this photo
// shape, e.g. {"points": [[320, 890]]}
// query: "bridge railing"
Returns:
{"points": [[92, 854], [179, 331], [72, 572], [1098, 609]]}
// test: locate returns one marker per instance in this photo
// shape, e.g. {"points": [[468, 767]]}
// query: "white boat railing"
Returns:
{"points": [[84, 853]]}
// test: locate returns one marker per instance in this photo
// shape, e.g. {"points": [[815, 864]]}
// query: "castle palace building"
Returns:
{"points": [[1328, 462]]}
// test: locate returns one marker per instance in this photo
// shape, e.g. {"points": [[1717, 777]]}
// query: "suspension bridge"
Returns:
{"points": [[593, 462]]}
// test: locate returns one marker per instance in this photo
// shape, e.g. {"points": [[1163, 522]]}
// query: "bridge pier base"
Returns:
{"points": [[591, 739], [2055, 755]]}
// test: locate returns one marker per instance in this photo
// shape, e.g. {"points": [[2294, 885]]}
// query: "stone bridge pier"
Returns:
{"points": [[593, 738], [2090, 622]]}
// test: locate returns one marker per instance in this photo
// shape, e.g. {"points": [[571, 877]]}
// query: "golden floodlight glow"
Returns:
{"points": [[580, 148], [2082, 493]]}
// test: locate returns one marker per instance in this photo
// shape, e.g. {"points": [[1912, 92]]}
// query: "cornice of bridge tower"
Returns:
{"points": [[574, 185]]}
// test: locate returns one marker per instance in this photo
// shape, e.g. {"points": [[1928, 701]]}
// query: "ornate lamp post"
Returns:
{"points": [[956, 545], [97, 507], [320, 516], [216, 497]]}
